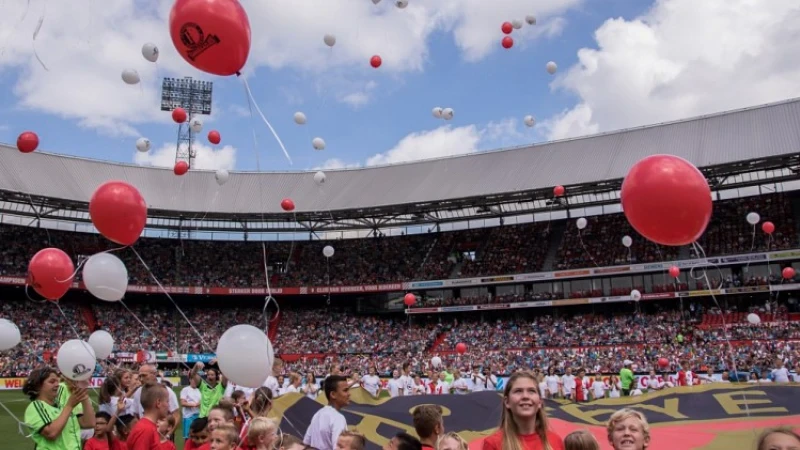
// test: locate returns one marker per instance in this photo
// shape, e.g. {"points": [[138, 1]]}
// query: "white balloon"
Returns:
{"points": [[196, 125], [401, 3], [299, 118], [222, 176], [102, 343], [106, 277], [320, 177], [329, 40], [753, 318], [436, 361], [150, 52], [529, 121], [130, 76], [448, 113], [76, 360], [245, 356], [516, 24], [143, 144], [318, 143], [551, 67], [328, 251], [437, 112], [753, 218], [636, 295], [375, 2], [627, 241], [9, 335], [530, 19], [581, 223]]}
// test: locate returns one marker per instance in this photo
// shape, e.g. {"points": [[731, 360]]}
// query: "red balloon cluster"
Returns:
{"points": [[788, 273], [118, 211], [506, 28], [667, 200], [507, 42], [181, 167], [768, 227], [461, 348], [214, 137], [211, 35], [375, 61], [27, 142], [179, 115], [287, 205], [674, 271], [50, 273], [662, 362], [558, 191], [410, 299]]}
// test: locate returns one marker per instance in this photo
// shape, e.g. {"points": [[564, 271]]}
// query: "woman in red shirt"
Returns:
{"points": [[523, 425]]}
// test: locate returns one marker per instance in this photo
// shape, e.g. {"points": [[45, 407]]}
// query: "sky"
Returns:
{"points": [[621, 63]]}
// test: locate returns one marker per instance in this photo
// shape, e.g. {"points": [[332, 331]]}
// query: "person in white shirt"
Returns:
{"points": [[310, 387], [272, 384], [568, 383], [407, 379], [294, 384], [542, 386], [478, 381], [372, 383], [442, 386], [190, 405], [553, 381], [653, 383], [780, 374], [328, 423], [396, 385], [420, 387], [233, 387], [599, 388], [460, 385]]}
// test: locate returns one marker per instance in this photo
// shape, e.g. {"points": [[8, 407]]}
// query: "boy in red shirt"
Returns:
{"points": [[155, 403]]}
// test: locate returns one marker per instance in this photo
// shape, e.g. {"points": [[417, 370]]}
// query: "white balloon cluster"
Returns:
{"points": [[551, 67], [76, 360], [531, 19], [436, 361], [320, 178], [329, 40], [627, 241], [753, 318], [328, 251], [196, 125], [636, 295], [318, 143], [443, 113], [221, 176], [143, 144], [581, 223], [401, 3], [130, 76], [299, 118], [106, 277], [245, 356], [102, 343], [9, 335], [529, 121], [150, 52], [753, 218]]}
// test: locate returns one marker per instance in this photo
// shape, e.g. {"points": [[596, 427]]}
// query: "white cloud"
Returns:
{"points": [[336, 163], [87, 45], [207, 157], [682, 58]]}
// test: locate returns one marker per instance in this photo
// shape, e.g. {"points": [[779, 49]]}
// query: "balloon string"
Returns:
{"points": [[36, 34], [264, 118], [21, 426], [82, 262], [164, 291], [86, 347], [580, 238], [702, 254], [213, 203], [752, 246]]}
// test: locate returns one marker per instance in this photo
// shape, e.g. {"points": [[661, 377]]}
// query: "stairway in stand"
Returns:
{"points": [[88, 316], [438, 341], [272, 333]]}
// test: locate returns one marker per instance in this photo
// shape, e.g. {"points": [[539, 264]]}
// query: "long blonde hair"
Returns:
{"points": [[508, 425]]}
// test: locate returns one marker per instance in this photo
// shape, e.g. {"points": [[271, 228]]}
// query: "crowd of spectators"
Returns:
{"points": [[499, 250]]}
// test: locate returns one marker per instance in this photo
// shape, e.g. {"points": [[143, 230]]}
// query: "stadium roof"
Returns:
{"points": [[753, 134]]}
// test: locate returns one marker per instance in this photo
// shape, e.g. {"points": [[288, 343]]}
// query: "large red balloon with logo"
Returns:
{"points": [[211, 35], [50, 273], [667, 200], [118, 211]]}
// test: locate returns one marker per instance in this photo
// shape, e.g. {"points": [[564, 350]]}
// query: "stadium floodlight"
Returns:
{"points": [[194, 96]]}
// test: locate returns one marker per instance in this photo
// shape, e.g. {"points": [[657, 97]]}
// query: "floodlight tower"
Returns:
{"points": [[194, 96]]}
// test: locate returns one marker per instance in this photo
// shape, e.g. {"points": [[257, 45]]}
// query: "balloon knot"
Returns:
{"points": [[238, 74]]}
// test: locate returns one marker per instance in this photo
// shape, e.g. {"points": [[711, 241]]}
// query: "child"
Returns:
{"points": [[124, 425], [219, 416], [198, 434], [102, 439], [240, 416], [778, 438], [261, 434], [164, 425], [224, 437], [581, 440]]}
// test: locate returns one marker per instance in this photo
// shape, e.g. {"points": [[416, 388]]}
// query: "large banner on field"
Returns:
{"points": [[709, 417], [10, 384]]}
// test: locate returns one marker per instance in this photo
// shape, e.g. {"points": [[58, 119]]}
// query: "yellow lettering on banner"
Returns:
{"points": [[369, 427], [587, 416], [670, 408], [733, 407]]}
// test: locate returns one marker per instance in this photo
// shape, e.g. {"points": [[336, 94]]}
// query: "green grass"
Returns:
{"points": [[16, 402]]}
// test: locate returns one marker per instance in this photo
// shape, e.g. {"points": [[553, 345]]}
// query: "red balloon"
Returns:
{"points": [[375, 61], [667, 200], [181, 167], [461, 348], [507, 28], [674, 271], [507, 42], [788, 273], [558, 191], [27, 142], [410, 299], [214, 137], [662, 362], [118, 211], [179, 115], [768, 227], [287, 204], [50, 273], [211, 35]]}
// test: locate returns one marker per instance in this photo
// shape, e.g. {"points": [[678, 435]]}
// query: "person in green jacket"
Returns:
{"points": [[211, 389], [626, 378]]}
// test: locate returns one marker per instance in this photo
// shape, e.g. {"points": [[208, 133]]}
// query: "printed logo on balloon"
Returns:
{"points": [[196, 41]]}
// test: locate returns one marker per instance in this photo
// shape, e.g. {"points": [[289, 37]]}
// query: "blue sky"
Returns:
{"points": [[621, 63]]}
